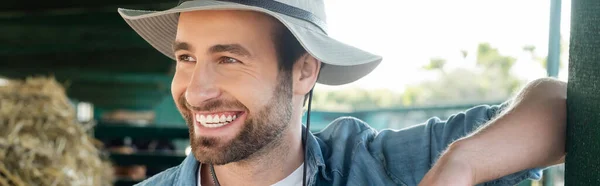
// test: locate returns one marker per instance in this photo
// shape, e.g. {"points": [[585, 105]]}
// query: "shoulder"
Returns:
{"points": [[346, 129], [348, 144], [341, 140], [166, 177], [183, 174]]}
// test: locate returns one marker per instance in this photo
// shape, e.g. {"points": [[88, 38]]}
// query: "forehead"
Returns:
{"points": [[252, 31], [225, 22]]}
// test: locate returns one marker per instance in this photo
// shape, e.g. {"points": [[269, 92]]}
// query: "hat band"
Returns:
{"points": [[285, 9]]}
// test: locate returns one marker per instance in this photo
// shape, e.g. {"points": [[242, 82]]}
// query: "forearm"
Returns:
{"points": [[529, 133]]}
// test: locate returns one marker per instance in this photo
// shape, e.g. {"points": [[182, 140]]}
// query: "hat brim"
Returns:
{"points": [[344, 63]]}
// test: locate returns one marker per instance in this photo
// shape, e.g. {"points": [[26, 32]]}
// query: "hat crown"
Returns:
{"points": [[316, 7], [311, 11]]}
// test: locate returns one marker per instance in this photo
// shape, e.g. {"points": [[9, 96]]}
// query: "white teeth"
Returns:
{"points": [[202, 119], [213, 125], [216, 125], [215, 119]]}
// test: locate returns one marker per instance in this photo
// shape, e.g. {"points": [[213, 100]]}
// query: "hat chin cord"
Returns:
{"points": [[305, 137]]}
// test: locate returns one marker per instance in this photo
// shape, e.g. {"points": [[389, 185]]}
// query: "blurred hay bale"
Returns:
{"points": [[41, 143]]}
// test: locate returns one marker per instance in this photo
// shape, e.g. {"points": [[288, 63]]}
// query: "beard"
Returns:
{"points": [[259, 130]]}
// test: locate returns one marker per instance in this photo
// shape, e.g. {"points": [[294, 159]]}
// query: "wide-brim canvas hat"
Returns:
{"points": [[304, 18]]}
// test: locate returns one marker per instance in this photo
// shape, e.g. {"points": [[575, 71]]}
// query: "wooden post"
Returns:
{"points": [[583, 95]]}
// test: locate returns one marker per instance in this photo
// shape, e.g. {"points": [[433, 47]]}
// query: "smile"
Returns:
{"points": [[216, 120]]}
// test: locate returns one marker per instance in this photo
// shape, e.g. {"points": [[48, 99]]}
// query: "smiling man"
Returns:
{"points": [[246, 68]]}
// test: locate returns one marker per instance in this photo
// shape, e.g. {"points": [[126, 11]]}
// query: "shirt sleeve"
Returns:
{"points": [[409, 153]]}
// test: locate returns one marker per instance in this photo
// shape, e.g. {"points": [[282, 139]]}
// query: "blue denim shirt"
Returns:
{"points": [[349, 152]]}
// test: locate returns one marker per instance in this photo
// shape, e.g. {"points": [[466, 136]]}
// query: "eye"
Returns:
{"points": [[185, 58], [227, 60]]}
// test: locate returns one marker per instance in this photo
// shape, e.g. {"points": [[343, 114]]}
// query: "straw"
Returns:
{"points": [[41, 143]]}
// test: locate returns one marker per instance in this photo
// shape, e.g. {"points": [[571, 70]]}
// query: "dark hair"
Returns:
{"points": [[287, 48]]}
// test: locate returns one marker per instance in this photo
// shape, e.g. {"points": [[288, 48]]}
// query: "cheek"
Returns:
{"points": [[181, 80], [252, 93]]}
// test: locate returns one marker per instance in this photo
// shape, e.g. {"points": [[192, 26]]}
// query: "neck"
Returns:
{"points": [[267, 166]]}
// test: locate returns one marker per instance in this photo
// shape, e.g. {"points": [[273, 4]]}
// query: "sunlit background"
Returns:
{"points": [[408, 34], [440, 57], [490, 47]]}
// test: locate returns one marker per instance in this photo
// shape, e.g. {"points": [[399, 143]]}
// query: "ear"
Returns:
{"points": [[306, 71]]}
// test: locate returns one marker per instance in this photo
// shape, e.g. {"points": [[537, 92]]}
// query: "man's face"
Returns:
{"points": [[227, 84]]}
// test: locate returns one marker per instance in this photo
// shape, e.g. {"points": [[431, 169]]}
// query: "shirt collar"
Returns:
{"points": [[188, 171], [314, 157]]}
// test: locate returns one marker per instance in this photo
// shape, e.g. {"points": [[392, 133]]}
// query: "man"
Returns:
{"points": [[244, 69]]}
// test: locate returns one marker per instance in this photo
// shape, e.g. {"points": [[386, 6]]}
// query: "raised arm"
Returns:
{"points": [[529, 133]]}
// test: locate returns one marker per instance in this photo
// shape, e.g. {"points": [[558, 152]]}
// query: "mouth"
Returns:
{"points": [[217, 119]]}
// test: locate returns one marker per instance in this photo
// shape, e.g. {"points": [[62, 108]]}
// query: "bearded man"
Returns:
{"points": [[246, 68]]}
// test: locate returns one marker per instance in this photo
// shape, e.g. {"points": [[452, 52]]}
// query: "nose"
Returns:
{"points": [[202, 86]]}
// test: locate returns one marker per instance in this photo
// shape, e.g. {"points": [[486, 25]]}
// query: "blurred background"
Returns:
{"points": [[439, 58]]}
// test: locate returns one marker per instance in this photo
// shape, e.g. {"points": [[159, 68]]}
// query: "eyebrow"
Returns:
{"points": [[231, 48], [181, 46]]}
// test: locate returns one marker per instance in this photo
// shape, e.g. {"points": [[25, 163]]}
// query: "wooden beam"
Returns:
{"points": [[107, 78], [37, 5], [120, 102], [146, 60], [121, 130], [582, 166], [63, 33]]}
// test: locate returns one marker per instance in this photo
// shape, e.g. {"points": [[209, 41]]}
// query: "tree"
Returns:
{"points": [[490, 59], [435, 64], [490, 82]]}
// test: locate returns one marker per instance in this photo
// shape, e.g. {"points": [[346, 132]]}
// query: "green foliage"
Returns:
{"points": [[491, 81], [355, 99], [464, 53], [529, 48], [435, 64], [543, 60], [490, 58]]}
